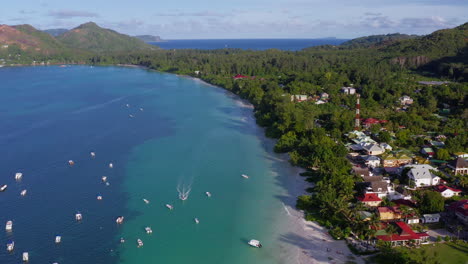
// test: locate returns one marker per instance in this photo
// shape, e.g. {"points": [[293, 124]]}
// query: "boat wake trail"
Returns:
{"points": [[184, 190]]}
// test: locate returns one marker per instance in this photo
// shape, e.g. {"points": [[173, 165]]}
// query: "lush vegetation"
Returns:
{"points": [[376, 40], [91, 37]]}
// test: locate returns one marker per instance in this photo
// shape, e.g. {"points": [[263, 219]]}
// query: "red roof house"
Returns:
{"points": [[446, 191], [372, 121], [239, 76], [370, 199], [404, 234]]}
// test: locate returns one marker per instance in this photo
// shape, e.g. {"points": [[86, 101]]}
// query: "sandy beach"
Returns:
{"points": [[306, 242]]}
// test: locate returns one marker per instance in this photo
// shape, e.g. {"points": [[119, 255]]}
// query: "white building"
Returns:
{"points": [[406, 100], [371, 161], [422, 176], [348, 90], [431, 218], [373, 149]]}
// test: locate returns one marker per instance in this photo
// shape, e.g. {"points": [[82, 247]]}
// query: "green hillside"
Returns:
{"points": [[376, 40], [91, 37]]}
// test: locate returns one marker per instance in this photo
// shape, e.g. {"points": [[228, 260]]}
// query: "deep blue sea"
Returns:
{"points": [[253, 44], [162, 132]]}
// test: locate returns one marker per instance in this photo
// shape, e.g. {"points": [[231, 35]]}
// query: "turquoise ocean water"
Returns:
{"points": [[188, 134]]}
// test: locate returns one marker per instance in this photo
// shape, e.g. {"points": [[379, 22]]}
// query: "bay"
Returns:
{"points": [[247, 44], [176, 132]]}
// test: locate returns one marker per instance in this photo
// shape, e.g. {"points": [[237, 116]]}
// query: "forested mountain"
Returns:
{"points": [[29, 39], [91, 37], [55, 31], [376, 40]]}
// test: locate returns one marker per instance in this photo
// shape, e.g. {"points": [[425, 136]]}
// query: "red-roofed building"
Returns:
{"points": [[446, 191], [460, 210], [240, 76], [370, 199], [404, 235], [372, 121]]}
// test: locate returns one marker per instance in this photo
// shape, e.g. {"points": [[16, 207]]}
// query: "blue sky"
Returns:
{"points": [[205, 19]]}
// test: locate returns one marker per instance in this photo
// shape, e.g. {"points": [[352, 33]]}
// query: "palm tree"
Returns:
{"points": [[405, 212], [459, 228]]}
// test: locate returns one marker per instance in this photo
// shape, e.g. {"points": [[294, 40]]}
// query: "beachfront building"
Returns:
{"points": [[446, 191], [404, 235], [370, 199], [459, 166], [421, 175]]}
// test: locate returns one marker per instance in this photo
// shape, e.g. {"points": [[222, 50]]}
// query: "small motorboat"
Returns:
{"points": [[119, 220], [10, 246], [245, 176], [255, 243], [3, 187], [127, 105], [9, 225], [111, 165], [104, 178], [18, 176], [139, 242], [196, 220], [78, 217], [71, 162], [23, 192], [93, 154], [58, 239], [25, 256], [208, 194], [131, 116], [141, 109], [99, 197], [107, 184], [148, 230], [122, 240], [169, 206], [146, 201]]}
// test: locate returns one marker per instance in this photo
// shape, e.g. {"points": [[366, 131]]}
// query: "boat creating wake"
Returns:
{"points": [[184, 191]]}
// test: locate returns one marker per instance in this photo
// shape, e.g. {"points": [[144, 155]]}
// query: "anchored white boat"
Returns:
{"points": [[93, 154], [3, 187], [148, 230], [99, 197], [122, 240], [78, 216], [208, 194], [255, 243], [104, 178], [169, 206], [25, 256], [111, 165], [10, 246], [131, 116], [9, 225], [127, 105], [245, 176], [141, 109], [18, 176], [146, 201], [23, 192], [58, 239], [196, 220], [71, 162], [119, 220], [140, 243], [107, 184]]}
